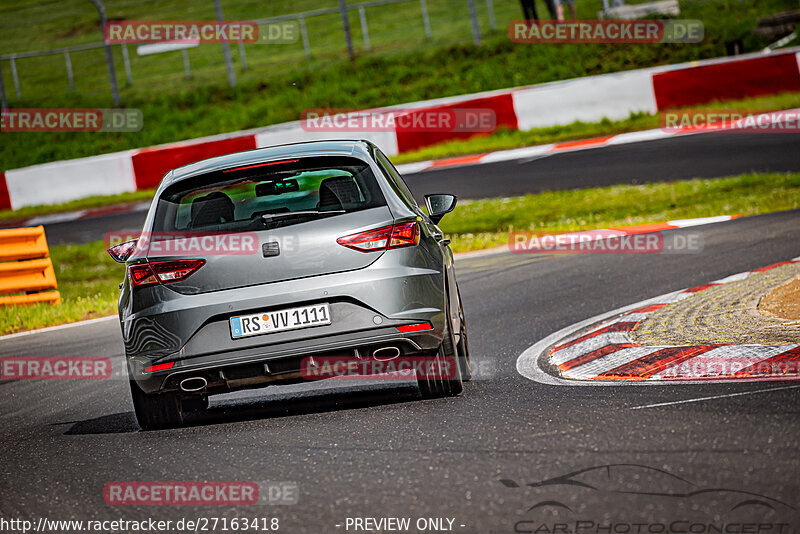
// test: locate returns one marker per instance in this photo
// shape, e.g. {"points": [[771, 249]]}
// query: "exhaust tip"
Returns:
{"points": [[384, 354], [193, 384]]}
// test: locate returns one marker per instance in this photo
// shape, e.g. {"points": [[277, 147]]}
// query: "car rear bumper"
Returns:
{"points": [[280, 364], [366, 307]]}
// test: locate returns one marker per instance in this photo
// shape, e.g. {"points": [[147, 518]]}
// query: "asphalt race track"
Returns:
{"points": [[377, 451], [708, 155]]}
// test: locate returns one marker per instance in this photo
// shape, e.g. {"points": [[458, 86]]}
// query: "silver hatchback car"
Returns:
{"points": [[286, 264]]}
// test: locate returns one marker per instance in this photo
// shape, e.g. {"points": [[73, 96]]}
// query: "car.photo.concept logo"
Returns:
{"points": [[630, 498]]}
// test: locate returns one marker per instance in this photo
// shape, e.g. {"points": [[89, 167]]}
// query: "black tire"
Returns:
{"points": [[462, 347], [452, 384], [446, 358], [194, 403], [157, 410], [428, 387]]}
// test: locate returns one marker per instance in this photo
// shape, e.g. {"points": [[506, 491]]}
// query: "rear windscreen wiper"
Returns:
{"points": [[270, 217]]}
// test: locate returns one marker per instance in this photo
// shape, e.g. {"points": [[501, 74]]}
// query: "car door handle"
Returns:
{"points": [[445, 242]]}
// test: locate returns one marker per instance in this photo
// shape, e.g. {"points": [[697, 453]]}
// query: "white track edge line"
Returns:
{"points": [[57, 327], [712, 397]]}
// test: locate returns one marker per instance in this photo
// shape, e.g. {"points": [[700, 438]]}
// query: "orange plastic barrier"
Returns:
{"points": [[26, 272]]}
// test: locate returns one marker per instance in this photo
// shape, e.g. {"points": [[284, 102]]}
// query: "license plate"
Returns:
{"points": [[280, 320]]}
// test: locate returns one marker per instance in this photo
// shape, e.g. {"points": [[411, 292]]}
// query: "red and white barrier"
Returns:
{"points": [[151, 164], [590, 99], [727, 80], [294, 133], [501, 104], [62, 181]]}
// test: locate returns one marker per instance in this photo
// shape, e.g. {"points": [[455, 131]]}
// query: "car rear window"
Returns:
{"points": [[268, 195]]}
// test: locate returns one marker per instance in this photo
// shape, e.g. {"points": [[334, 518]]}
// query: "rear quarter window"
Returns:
{"points": [[396, 181]]}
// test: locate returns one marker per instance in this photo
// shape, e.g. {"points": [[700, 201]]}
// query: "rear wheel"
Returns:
{"points": [[444, 376], [154, 411], [462, 347], [195, 403]]}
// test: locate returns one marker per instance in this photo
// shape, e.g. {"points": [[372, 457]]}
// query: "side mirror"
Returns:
{"points": [[120, 253], [439, 205]]}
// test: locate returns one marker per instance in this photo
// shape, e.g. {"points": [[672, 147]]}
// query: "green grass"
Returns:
{"points": [[88, 278], [402, 67], [480, 224]]}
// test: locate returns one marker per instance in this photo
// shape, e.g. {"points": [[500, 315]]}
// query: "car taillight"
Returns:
{"points": [[404, 235], [164, 272], [386, 237]]}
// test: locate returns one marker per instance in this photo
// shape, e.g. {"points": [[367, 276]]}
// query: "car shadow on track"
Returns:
{"points": [[253, 408]]}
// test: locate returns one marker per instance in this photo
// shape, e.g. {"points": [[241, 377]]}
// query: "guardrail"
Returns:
{"points": [[26, 272]]}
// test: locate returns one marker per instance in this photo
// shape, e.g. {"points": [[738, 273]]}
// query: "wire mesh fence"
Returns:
{"points": [[79, 66]]}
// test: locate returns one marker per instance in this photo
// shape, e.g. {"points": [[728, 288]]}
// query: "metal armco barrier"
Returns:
{"points": [[26, 271]]}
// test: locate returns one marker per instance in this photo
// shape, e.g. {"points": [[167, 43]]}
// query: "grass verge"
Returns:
{"points": [[481, 224], [88, 278]]}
